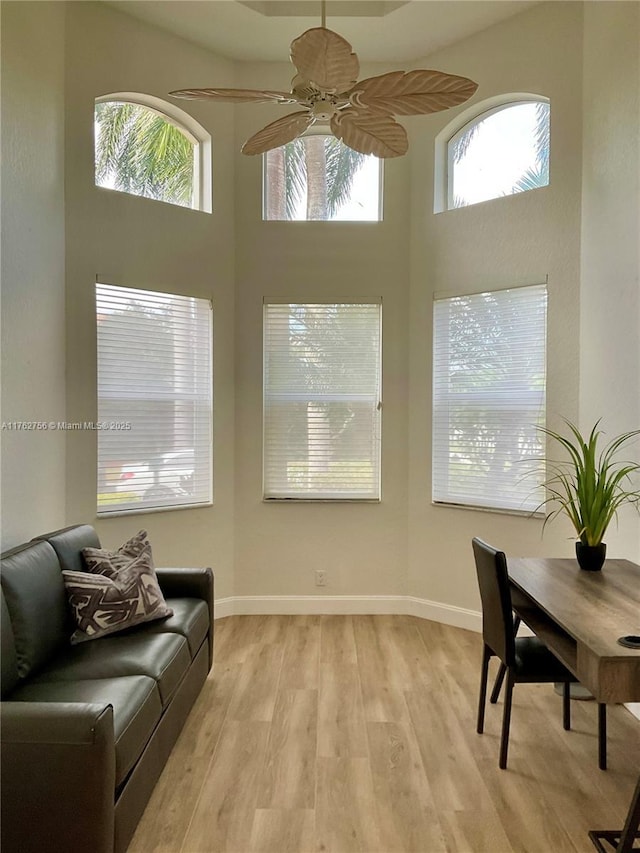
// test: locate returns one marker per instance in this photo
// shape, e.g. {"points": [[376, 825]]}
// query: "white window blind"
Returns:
{"points": [[489, 378], [322, 401], [154, 399]]}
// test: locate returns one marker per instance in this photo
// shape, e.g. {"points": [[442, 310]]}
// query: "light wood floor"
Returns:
{"points": [[357, 733]]}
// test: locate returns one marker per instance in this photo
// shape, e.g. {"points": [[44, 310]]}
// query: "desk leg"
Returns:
{"points": [[602, 736]]}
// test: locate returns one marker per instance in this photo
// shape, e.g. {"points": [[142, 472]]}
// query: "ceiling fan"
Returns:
{"points": [[358, 113]]}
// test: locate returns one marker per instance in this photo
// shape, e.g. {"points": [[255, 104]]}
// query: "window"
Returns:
{"points": [[154, 399], [322, 409], [503, 151], [149, 148], [488, 397], [317, 177]]}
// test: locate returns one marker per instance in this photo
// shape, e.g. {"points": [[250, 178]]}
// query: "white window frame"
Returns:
{"points": [[518, 489], [443, 150], [271, 494], [202, 197], [137, 449]]}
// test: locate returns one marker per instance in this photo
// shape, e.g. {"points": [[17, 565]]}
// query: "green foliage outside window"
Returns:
{"points": [[138, 151]]}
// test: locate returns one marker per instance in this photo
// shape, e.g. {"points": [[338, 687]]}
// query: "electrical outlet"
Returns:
{"points": [[321, 577]]}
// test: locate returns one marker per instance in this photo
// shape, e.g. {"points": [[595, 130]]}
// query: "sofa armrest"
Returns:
{"points": [[58, 776], [192, 583]]}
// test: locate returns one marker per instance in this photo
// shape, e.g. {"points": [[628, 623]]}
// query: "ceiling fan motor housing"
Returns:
{"points": [[323, 109]]}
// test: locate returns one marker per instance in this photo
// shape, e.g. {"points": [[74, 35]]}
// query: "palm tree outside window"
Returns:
{"points": [[316, 177], [501, 152], [152, 150]]}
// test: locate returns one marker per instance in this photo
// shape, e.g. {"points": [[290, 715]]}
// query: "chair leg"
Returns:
{"points": [[506, 721], [566, 705], [632, 824], [497, 687], [486, 655], [621, 841], [602, 736]]}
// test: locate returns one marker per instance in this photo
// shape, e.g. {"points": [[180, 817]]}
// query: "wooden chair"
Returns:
{"points": [[526, 659], [621, 840]]}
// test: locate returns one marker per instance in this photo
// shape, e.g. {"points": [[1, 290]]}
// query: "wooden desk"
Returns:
{"points": [[580, 616]]}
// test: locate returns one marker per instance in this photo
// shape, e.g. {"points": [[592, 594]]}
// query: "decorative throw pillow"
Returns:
{"points": [[120, 590], [110, 562]]}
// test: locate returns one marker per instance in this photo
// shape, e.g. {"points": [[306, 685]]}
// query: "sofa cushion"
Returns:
{"points": [[107, 603], [69, 542], [190, 619], [8, 660], [163, 657], [37, 603], [136, 709]]}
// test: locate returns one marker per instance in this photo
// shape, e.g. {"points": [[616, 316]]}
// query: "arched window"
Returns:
{"points": [[150, 148], [499, 152], [317, 177]]}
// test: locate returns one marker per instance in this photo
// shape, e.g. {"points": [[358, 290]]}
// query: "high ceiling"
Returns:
{"points": [[384, 31]]}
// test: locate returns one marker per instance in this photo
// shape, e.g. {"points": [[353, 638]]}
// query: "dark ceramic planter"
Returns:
{"points": [[590, 557]]}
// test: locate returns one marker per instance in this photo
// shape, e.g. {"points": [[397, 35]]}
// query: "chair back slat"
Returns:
{"points": [[497, 618]]}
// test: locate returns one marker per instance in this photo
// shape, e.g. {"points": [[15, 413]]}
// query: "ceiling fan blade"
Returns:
{"points": [[371, 133], [278, 133], [235, 96], [412, 92], [325, 59]]}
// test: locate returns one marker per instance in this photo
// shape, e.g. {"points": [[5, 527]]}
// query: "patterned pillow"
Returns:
{"points": [[116, 594], [110, 562]]}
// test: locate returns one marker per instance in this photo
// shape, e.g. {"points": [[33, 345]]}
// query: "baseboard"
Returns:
{"points": [[634, 708], [448, 614], [247, 605]]}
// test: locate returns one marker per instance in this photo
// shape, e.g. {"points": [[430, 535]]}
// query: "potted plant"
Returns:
{"points": [[589, 486]]}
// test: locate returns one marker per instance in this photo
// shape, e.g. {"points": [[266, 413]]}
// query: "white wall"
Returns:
{"points": [[127, 240], [610, 249], [362, 547], [519, 239], [33, 320]]}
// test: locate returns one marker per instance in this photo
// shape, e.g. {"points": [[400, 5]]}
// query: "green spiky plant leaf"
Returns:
{"points": [[589, 485]]}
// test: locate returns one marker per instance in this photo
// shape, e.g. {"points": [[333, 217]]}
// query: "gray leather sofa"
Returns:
{"points": [[86, 729]]}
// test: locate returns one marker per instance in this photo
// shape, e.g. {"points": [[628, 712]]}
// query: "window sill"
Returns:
{"points": [[117, 513], [321, 500], [521, 513]]}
